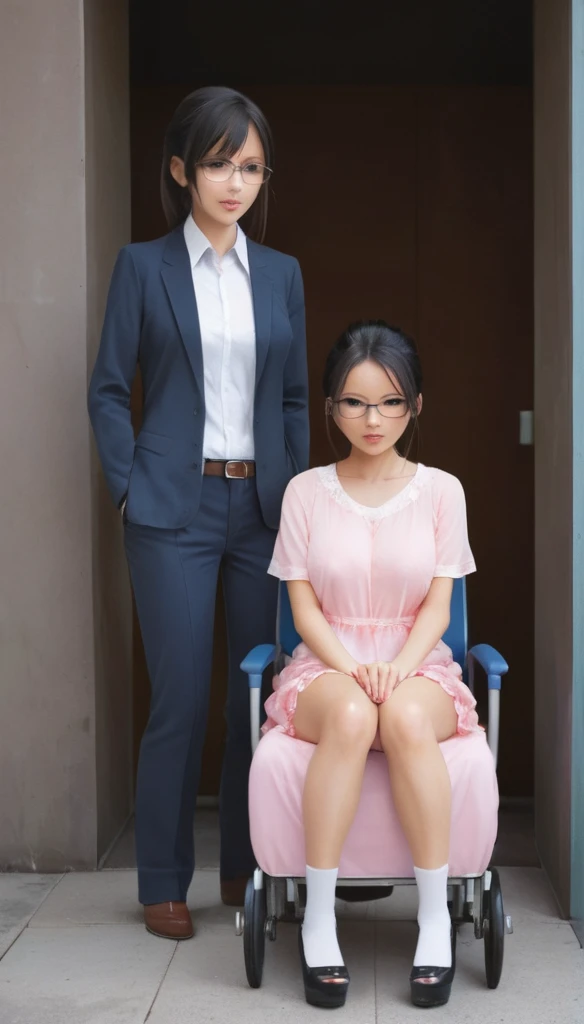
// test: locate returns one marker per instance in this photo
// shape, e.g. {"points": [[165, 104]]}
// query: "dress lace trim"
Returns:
{"points": [[330, 480]]}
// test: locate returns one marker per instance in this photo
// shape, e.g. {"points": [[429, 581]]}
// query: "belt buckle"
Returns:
{"points": [[235, 462]]}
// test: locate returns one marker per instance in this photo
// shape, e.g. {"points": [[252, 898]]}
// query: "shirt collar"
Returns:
{"points": [[198, 244]]}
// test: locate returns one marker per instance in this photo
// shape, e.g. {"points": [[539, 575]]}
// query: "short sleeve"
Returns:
{"points": [[454, 557], [290, 557]]}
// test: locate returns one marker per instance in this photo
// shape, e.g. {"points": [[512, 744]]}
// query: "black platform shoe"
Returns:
{"points": [[430, 986], [325, 987]]}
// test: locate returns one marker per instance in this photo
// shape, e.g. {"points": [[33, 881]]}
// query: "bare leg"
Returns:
{"points": [[415, 719], [336, 715]]}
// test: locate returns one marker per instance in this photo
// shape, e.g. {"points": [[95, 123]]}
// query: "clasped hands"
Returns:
{"points": [[379, 679]]}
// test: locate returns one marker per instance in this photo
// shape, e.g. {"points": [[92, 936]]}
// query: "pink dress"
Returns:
{"points": [[371, 569]]}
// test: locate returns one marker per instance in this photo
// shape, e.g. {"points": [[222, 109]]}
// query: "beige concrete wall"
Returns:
{"points": [[553, 442], [53, 529]]}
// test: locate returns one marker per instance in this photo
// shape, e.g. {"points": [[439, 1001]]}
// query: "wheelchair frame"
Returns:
{"points": [[476, 899]]}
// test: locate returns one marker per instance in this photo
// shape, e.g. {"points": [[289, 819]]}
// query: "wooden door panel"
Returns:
{"points": [[345, 206], [475, 334]]}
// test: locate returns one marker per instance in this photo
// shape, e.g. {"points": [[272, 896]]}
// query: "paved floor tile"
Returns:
{"points": [[21, 895], [207, 983], [83, 975], [93, 897]]}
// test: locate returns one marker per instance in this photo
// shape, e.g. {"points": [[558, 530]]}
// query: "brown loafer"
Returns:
{"points": [[168, 920], [233, 892]]}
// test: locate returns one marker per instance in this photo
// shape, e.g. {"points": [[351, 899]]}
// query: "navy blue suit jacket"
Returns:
{"points": [[151, 320]]}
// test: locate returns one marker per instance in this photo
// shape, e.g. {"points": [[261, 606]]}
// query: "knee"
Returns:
{"points": [[174, 722], [353, 724], [405, 724]]}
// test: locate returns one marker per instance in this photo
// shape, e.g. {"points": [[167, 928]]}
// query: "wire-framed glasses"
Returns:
{"points": [[252, 173]]}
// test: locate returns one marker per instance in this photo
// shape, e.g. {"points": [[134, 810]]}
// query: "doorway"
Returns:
{"points": [[408, 197]]}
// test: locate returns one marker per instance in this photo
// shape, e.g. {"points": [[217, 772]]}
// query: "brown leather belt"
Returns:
{"points": [[232, 469]]}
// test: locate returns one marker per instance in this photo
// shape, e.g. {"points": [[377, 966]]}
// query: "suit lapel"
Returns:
{"points": [[262, 292], [178, 281]]}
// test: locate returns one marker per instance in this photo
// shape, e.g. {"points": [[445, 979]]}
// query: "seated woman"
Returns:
{"points": [[369, 547]]}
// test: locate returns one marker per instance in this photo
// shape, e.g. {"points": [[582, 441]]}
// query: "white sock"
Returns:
{"points": [[319, 930], [434, 948]]}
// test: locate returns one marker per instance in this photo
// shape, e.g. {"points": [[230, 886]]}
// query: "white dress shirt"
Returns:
{"points": [[226, 318]]}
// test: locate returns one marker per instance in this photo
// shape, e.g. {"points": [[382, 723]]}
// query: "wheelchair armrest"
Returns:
{"points": [[254, 665], [495, 666], [491, 661], [257, 661]]}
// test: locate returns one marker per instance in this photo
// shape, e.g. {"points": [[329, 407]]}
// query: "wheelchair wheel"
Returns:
{"points": [[494, 930], [254, 936]]}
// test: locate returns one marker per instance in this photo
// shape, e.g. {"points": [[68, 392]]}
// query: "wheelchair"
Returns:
{"points": [[375, 857]]}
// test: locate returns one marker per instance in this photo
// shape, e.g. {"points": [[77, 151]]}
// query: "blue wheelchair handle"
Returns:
{"points": [[256, 662], [491, 661]]}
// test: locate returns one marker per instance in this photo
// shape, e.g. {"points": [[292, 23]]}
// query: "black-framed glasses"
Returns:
{"points": [[354, 408], [252, 173]]}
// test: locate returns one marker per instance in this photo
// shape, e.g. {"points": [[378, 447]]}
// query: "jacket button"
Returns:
{"points": [[195, 412], [195, 465]]}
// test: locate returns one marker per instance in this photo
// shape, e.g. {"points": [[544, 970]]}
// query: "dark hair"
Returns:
{"points": [[391, 349], [203, 119]]}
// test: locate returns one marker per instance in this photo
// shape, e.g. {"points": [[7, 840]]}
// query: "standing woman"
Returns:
{"points": [[216, 323]]}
